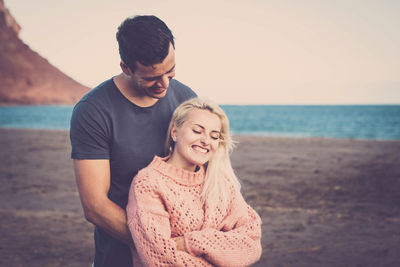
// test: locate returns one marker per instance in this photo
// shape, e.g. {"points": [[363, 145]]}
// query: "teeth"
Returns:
{"points": [[200, 149]]}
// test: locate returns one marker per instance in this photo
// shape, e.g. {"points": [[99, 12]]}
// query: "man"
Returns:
{"points": [[119, 126]]}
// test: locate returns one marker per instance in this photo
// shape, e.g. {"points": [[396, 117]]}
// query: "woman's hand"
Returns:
{"points": [[180, 243]]}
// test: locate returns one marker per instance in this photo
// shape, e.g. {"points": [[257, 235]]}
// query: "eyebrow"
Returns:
{"points": [[213, 131], [159, 76]]}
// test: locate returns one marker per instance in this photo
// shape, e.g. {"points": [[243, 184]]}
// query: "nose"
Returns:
{"points": [[205, 139], [164, 81]]}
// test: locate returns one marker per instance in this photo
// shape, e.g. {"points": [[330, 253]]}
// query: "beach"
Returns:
{"points": [[323, 202]]}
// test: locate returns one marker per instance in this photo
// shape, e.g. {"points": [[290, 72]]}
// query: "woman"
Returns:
{"points": [[186, 209]]}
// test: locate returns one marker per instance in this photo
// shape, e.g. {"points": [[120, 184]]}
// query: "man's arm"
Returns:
{"points": [[93, 180]]}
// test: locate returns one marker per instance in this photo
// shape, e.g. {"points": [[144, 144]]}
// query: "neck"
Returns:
{"points": [[132, 94], [173, 160]]}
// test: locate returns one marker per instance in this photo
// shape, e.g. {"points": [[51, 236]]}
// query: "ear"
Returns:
{"points": [[125, 69], [173, 132]]}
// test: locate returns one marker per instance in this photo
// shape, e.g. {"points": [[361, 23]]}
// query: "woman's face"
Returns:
{"points": [[196, 140]]}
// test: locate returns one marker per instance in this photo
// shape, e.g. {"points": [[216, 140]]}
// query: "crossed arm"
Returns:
{"points": [[149, 224], [236, 244], [93, 181]]}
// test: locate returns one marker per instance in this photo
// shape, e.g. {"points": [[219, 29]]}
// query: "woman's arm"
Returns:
{"points": [[238, 241], [148, 222]]}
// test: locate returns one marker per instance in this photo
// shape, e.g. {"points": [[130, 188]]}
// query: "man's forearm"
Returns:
{"points": [[111, 218]]}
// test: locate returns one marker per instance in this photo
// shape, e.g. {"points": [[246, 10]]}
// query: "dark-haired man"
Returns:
{"points": [[119, 126]]}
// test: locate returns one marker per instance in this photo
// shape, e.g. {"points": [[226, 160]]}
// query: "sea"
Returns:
{"points": [[376, 122]]}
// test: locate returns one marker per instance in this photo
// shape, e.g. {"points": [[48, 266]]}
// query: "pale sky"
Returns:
{"points": [[235, 52]]}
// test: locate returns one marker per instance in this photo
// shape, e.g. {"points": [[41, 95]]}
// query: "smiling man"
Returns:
{"points": [[118, 127]]}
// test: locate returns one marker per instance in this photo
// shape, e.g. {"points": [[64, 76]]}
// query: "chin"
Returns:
{"points": [[199, 162], [159, 95]]}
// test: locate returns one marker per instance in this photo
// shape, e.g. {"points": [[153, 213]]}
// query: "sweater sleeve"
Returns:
{"points": [[148, 222], [237, 243]]}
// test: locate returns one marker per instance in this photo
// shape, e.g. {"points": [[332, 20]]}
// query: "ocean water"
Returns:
{"points": [[379, 122]]}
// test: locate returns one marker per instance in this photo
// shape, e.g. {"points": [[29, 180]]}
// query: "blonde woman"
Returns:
{"points": [[186, 209]]}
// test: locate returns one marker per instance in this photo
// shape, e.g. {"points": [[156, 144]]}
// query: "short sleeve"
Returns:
{"points": [[89, 132]]}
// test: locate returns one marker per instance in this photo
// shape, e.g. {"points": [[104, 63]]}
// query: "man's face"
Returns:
{"points": [[153, 81]]}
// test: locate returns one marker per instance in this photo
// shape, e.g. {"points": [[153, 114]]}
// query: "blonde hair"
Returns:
{"points": [[219, 167]]}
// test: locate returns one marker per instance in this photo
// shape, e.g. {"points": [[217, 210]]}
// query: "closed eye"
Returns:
{"points": [[215, 136], [152, 79]]}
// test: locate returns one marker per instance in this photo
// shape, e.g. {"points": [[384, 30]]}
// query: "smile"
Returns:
{"points": [[159, 90], [200, 149]]}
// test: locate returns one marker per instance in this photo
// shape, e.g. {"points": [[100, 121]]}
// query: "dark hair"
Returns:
{"points": [[144, 39]]}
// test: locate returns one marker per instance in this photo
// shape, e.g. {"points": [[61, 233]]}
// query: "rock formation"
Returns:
{"points": [[26, 78]]}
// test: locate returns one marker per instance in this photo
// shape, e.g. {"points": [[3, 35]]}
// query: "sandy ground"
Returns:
{"points": [[323, 202]]}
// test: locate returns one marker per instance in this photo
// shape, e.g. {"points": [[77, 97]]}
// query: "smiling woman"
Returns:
{"points": [[186, 209], [198, 139]]}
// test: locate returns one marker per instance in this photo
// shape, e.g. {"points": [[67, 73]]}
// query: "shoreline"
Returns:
{"points": [[238, 136], [323, 202]]}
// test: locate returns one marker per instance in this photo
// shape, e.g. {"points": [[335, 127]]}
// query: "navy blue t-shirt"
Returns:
{"points": [[106, 125]]}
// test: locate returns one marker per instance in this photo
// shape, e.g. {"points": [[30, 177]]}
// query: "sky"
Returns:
{"points": [[232, 51]]}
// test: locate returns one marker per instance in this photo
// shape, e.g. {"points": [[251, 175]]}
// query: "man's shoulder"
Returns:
{"points": [[98, 93], [177, 84], [180, 90], [95, 105], [100, 98]]}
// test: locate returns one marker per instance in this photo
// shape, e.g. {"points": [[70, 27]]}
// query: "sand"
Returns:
{"points": [[323, 202]]}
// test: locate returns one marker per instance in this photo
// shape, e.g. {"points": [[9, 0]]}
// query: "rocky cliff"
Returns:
{"points": [[25, 76]]}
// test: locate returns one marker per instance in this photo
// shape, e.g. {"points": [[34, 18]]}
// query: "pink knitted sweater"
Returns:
{"points": [[164, 202]]}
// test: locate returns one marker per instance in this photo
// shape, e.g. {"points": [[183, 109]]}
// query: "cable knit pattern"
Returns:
{"points": [[164, 202]]}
